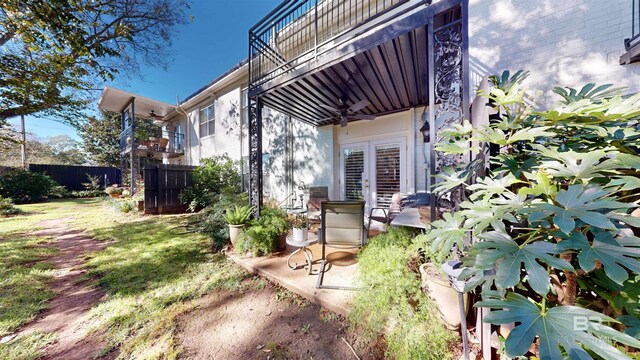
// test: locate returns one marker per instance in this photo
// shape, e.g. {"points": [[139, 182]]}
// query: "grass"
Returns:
{"points": [[395, 305], [26, 347], [149, 271]]}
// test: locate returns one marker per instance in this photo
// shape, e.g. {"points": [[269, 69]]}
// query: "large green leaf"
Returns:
{"points": [[575, 165], [584, 203], [566, 327], [500, 250], [542, 185], [632, 324], [615, 254], [488, 187], [448, 232]]}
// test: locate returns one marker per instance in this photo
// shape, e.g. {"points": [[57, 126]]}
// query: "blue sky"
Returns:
{"points": [[215, 41]]}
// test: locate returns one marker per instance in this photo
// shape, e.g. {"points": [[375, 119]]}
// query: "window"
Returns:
{"points": [[207, 121], [178, 137]]}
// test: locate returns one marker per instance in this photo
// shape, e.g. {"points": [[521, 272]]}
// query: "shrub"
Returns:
{"points": [[214, 223], [216, 175], [86, 194], [113, 190], [93, 182], [261, 238], [23, 186], [394, 304], [7, 208], [554, 242], [121, 205]]}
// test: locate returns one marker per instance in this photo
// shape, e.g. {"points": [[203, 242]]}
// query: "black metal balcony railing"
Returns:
{"points": [[299, 27], [635, 25], [162, 141]]}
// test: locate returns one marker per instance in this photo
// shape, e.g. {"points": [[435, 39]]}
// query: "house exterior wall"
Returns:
{"points": [[568, 43]]}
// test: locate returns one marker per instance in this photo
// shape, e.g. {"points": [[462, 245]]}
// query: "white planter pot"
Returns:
{"points": [[234, 232], [445, 297], [300, 234]]}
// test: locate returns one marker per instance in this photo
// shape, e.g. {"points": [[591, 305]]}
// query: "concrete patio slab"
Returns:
{"points": [[341, 272]]}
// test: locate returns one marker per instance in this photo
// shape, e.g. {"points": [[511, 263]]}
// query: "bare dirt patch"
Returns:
{"points": [[70, 307], [254, 324]]}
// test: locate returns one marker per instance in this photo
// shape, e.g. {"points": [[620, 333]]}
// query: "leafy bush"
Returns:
{"points": [[394, 304], [7, 208], [214, 223], [93, 182], [261, 238], [122, 205], [554, 243], [86, 193], [24, 186], [113, 190], [239, 215], [216, 175]]}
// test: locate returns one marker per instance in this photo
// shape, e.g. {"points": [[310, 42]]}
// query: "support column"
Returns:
{"points": [[448, 77], [132, 114], [255, 154], [23, 145]]}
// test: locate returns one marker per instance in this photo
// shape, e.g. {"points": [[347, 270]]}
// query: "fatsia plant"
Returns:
{"points": [[553, 220]]}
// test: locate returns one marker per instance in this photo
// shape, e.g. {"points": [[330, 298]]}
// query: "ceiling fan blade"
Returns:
{"points": [[363, 117], [327, 118], [359, 105], [329, 107]]}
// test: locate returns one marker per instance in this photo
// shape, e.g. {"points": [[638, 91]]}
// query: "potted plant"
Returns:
{"points": [[113, 191], [299, 225], [237, 219], [437, 285]]}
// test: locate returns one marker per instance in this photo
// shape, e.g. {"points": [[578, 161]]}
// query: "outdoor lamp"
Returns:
{"points": [[425, 130]]}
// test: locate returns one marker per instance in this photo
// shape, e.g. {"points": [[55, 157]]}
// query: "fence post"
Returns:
{"points": [[159, 195]]}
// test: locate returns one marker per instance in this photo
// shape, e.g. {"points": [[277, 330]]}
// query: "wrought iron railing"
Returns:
{"points": [[296, 28], [161, 141], [635, 25]]}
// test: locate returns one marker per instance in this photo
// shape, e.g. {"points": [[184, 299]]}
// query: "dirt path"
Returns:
{"points": [[254, 324], [70, 307]]}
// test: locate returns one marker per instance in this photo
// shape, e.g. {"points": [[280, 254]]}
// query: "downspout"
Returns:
{"points": [[187, 121]]}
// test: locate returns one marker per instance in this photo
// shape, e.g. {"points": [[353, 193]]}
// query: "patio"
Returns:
{"points": [[342, 272]]}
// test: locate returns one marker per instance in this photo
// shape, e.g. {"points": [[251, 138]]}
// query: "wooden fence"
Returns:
{"points": [[72, 177], [162, 187]]}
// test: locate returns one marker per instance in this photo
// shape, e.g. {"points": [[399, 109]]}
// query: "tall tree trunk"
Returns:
{"points": [[23, 146]]}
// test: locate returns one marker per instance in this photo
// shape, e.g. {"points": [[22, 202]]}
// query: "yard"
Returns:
{"points": [[80, 280]]}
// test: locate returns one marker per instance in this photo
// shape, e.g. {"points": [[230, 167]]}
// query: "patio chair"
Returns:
{"points": [[317, 194], [342, 227], [389, 212]]}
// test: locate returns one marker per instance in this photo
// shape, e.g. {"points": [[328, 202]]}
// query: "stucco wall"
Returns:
{"points": [[568, 43]]}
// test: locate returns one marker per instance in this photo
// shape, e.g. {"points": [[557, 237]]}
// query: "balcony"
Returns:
{"points": [[299, 31], [163, 144], [632, 44]]}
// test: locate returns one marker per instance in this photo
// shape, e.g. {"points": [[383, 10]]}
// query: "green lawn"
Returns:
{"points": [[153, 265]]}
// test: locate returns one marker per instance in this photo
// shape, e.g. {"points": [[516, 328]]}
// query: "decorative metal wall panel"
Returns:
{"points": [[255, 154], [448, 88]]}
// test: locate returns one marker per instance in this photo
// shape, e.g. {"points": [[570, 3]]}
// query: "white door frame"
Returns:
{"points": [[402, 142], [369, 183]]}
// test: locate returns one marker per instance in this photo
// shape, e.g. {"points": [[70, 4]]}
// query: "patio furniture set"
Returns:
{"points": [[342, 226]]}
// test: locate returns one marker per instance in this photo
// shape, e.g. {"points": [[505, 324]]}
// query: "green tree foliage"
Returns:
{"points": [[554, 242], [52, 53], [54, 150], [101, 137]]}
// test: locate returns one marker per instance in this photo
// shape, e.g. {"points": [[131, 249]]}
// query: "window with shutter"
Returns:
{"points": [[387, 173], [353, 173]]}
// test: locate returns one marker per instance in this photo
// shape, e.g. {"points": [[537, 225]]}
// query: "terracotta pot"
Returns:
{"points": [[282, 242], [300, 234], [234, 232], [445, 297], [163, 142], [115, 195], [140, 205]]}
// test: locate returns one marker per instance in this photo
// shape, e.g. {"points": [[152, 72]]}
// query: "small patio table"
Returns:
{"points": [[410, 217], [302, 246]]}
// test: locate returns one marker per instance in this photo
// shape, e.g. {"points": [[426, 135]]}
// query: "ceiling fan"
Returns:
{"points": [[153, 115], [344, 112]]}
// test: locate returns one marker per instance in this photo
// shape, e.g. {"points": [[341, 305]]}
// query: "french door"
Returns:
{"points": [[373, 171]]}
